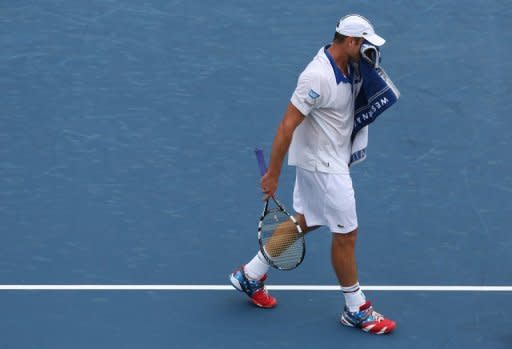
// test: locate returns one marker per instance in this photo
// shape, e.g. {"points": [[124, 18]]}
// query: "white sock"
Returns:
{"points": [[354, 297], [257, 267]]}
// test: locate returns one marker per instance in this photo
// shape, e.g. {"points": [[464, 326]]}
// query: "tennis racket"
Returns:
{"points": [[280, 237]]}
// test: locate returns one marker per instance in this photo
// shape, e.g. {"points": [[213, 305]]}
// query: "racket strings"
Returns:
{"points": [[282, 241]]}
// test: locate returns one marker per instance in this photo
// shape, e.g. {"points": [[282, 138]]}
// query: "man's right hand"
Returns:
{"points": [[269, 185]]}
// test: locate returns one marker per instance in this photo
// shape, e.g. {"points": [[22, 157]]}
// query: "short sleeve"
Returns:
{"points": [[309, 93]]}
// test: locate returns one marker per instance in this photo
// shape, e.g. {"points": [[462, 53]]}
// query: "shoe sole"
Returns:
{"points": [[345, 322], [261, 306]]}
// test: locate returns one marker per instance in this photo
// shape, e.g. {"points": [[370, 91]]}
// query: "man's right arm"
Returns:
{"points": [[291, 119]]}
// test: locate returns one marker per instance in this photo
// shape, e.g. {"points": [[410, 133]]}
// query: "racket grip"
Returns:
{"points": [[261, 161]]}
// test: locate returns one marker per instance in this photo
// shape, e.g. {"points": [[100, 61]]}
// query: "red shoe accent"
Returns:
{"points": [[262, 299], [383, 326], [365, 306], [377, 323]]}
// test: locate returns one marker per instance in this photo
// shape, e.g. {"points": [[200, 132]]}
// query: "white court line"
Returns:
{"points": [[228, 287]]}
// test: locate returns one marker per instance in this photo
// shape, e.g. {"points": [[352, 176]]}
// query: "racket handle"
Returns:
{"points": [[261, 161]]}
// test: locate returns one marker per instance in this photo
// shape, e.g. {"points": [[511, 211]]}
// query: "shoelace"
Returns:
{"points": [[376, 316], [254, 285], [264, 290]]}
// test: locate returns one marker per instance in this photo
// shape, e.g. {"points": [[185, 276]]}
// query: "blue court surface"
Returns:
{"points": [[127, 131]]}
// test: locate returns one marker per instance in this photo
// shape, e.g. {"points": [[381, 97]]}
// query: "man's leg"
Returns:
{"points": [[258, 266], [343, 257], [358, 311], [250, 277], [344, 264], [303, 225]]}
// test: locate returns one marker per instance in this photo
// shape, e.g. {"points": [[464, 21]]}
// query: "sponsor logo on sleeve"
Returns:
{"points": [[312, 97]]}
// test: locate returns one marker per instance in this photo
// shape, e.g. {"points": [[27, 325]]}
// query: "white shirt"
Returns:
{"points": [[326, 97]]}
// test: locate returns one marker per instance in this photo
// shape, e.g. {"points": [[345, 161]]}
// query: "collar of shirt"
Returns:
{"points": [[340, 77]]}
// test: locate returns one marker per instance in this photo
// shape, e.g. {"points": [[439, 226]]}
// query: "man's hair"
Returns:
{"points": [[339, 38]]}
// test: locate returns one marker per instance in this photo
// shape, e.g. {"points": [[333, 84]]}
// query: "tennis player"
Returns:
{"points": [[316, 130]]}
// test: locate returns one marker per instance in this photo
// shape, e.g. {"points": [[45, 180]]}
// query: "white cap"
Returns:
{"points": [[359, 27]]}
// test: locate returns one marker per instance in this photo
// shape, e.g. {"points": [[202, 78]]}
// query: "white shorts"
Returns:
{"points": [[325, 199]]}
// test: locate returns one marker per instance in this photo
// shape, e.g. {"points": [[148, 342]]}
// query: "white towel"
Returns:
{"points": [[359, 146]]}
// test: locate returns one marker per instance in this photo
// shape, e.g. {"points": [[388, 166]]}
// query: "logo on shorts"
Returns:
{"points": [[341, 226]]}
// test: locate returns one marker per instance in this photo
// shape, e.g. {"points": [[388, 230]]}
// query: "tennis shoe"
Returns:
{"points": [[255, 289], [367, 320]]}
